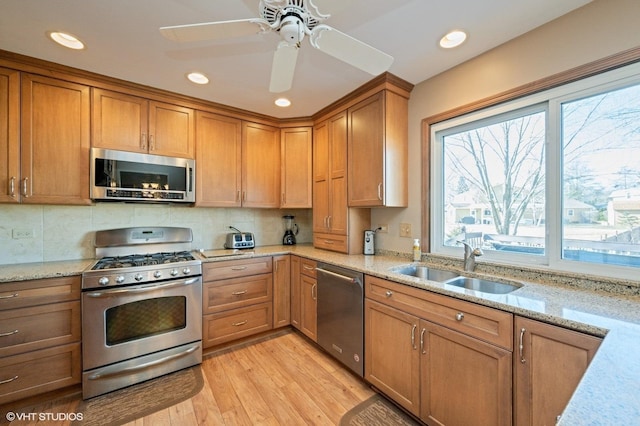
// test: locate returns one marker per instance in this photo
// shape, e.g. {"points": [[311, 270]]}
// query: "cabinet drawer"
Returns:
{"points": [[37, 327], [231, 325], [20, 294], [236, 268], [39, 371], [331, 242], [236, 292], [308, 267], [488, 324]]}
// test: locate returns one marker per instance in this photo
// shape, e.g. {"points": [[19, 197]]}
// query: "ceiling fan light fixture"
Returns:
{"points": [[66, 40], [453, 39], [197, 78], [283, 102]]}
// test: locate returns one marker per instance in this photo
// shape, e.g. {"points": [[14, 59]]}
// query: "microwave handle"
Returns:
{"points": [[189, 173]]}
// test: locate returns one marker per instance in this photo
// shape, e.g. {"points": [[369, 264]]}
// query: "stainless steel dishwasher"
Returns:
{"points": [[341, 315]]}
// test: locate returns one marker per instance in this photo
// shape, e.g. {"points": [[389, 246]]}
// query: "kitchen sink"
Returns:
{"points": [[425, 272], [481, 285]]}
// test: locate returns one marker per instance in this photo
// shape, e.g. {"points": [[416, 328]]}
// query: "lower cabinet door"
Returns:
{"points": [[547, 369], [464, 381], [392, 359], [237, 323], [39, 371]]}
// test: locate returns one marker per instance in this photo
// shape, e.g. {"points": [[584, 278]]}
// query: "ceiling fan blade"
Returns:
{"points": [[283, 67], [350, 50], [215, 30]]}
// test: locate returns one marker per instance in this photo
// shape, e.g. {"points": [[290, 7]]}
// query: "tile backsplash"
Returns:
{"points": [[37, 233]]}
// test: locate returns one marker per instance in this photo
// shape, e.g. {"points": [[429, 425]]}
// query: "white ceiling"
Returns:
{"points": [[123, 41]]}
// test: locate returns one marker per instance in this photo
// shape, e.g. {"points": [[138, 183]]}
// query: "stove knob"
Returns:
{"points": [[186, 271], [174, 272], [120, 279], [138, 277], [103, 281], [157, 274]]}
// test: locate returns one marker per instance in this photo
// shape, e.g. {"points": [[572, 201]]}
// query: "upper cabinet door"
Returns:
{"points": [[130, 123], [218, 160], [171, 130], [296, 166], [378, 151], [260, 165], [9, 136], [119, 121], [55, 141]]}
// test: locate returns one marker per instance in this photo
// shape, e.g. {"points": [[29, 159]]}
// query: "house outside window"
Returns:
{"points": [[550, 179]]}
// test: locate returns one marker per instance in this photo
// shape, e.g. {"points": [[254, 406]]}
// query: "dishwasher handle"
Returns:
{"points": [[339, 276]]}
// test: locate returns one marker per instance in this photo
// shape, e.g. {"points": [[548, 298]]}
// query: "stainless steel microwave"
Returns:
{"points": [[131, 176]]}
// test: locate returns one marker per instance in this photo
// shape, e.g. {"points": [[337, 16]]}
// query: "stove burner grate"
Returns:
{"points": [[117, 262]]}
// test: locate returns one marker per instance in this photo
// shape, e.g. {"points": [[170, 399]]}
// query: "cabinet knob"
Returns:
{"points": [[389, 293], [459, 316]]}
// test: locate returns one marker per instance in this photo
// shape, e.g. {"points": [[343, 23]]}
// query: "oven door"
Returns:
{"points": [[127, 322]]}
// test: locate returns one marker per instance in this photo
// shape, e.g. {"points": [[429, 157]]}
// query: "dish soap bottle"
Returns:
{"points": [[417, 253]]}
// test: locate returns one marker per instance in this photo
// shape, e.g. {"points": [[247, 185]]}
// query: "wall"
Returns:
{"points": [[67, 232], [595, 31]]}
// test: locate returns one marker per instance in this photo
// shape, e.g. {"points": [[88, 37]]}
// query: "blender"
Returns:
{"points": [[289, 237]]}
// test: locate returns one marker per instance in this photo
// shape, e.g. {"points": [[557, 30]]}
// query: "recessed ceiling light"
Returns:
{"points": [[283, 102], [66, 40], [198, 78], [453, 39]]}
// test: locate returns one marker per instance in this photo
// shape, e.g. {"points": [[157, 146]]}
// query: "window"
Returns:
{"points": [[554, 178]]}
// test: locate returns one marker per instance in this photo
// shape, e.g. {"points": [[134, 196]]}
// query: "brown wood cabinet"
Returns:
{"points": [[417, 354], [54, 141], [260, 165], [40, 335], [548, 365], [378, 151], [131, 123], [335, 226], [304, 294], [9, 135], [218, 160], [281, 290], [296, 167], [237, 299]]}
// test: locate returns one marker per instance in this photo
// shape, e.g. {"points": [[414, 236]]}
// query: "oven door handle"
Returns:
{"points": [[142, 289], [105, 373]]}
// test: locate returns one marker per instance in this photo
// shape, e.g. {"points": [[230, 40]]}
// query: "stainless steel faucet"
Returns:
{"points": [[470, 255]]}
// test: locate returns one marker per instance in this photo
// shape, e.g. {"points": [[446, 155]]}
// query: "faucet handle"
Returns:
{"points": [[477, 252]]}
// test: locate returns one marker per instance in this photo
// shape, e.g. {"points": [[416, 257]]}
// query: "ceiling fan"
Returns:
{"points": [[293, 19]]}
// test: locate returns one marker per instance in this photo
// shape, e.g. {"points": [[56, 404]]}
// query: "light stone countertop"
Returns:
{"points": [[609, 392]]}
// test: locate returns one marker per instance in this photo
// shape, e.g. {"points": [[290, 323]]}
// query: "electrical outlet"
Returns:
{"points": [[383, 229], [21, 234], [405, 230]]}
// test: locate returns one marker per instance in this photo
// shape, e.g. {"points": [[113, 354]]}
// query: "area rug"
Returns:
{"points": [[376, 411], [133, 402]]}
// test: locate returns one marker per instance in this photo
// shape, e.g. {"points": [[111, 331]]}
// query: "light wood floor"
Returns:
{"points": [[282, 379]]}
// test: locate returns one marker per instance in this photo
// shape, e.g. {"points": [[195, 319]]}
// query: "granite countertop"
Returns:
{"points": [[609, 392]]}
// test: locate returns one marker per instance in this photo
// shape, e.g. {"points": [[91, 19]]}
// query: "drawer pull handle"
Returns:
{"points": [[238, 268], [238, 324], [2, 382], [239, 293], [11, 296], [309, 268], [459, 316], [389, 293], [8, 333]]}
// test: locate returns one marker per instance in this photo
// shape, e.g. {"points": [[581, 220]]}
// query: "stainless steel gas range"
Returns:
{"points": [[141, 308]]}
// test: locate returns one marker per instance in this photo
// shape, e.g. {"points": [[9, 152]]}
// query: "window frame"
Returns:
{"points": [[615, 71]]}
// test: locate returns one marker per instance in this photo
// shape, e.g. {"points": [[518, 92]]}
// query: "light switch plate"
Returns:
{"points": [[405, 230]]}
